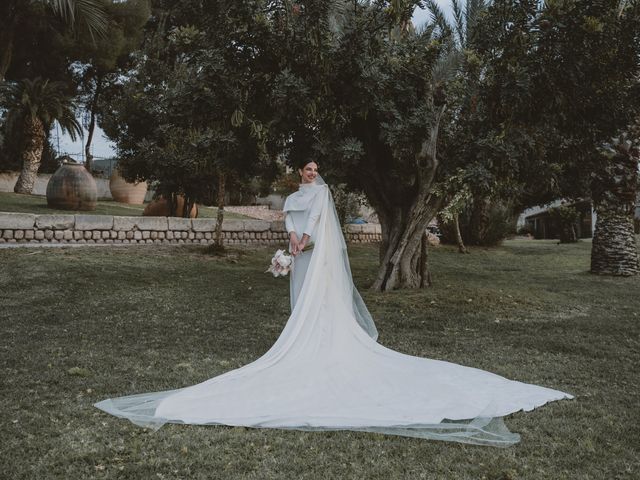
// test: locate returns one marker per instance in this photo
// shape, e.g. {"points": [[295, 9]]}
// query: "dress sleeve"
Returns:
{"points": [[288, 223], [314, 215]]}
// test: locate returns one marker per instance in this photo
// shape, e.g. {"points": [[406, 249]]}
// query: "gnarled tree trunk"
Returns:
{"points": [[401, 247], [404, 224], [614, 250], [31, 155]]}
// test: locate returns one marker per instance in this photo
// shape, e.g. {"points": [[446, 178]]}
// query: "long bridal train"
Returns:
{"points": [[327, 372]]}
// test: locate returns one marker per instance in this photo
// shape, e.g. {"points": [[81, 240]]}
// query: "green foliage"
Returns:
{"points": [[615, 182], [286, 183], [565, 218], [559, 80], [40, 99], [12, 142], [358, 100], [347, 203], [483, 222], [88, 14], [194, 107], [363, 94], [44, 39], [106, 58], [32, 34]]}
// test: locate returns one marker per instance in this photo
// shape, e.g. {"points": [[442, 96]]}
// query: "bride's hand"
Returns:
{"points": [[293, 244], [303, 242]]}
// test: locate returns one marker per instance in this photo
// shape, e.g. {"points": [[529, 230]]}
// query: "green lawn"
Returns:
{"points": [[13, 202], [82, 324]]}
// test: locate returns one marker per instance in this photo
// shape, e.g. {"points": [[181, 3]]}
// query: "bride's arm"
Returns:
{"points": [[293, 238], [312, 221]]}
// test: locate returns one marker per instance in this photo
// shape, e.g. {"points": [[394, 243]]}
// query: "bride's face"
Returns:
{"points": [[309, 172]]}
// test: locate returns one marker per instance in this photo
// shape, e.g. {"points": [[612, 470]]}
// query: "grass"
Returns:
{"points": [[79, 325], [13, 202]]}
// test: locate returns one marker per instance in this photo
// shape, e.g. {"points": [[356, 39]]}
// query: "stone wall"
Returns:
{"points": [[83, 229]]}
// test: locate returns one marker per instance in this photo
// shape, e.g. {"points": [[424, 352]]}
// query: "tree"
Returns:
{"points": [[105, 59], [449, 216], [614, 250], [559, 80], [565, 219], [192, 114], [364, 96], [37, 39], [34, 104], [15, 15], [479, 196]]}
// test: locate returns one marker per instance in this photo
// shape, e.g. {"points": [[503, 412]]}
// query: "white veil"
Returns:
{"points": [[337, 246], [327, 372]]}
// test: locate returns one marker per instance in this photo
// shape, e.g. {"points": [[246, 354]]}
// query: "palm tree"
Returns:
{"points": [[88, 14], [34, 104], [614, 250]]}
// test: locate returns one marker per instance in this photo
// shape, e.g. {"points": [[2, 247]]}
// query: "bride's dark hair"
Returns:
{"points": [[303, 162]]}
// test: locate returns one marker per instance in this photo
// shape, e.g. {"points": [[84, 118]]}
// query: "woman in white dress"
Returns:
{"points": [[302, 214], [326, 370]]}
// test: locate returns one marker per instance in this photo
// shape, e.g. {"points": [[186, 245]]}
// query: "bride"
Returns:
{"points": [[326, 370]]}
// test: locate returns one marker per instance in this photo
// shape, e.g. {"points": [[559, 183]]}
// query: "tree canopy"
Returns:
{"points": [[195, 105]]}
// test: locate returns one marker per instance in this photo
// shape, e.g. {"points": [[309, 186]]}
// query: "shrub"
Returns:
{"points": [[565, 219]]}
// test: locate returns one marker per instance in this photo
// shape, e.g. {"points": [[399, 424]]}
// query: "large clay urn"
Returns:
{"points": [[160, 208], [72, 187], [126, 192]]}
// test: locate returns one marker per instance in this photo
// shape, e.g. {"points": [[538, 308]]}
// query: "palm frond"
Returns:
{"points": [[89, 12], [621, 6], [340, 15], [458, 18], [472, 13], [438, 17], [69, 124], [446, 66], [65, 9], [43, 99]]}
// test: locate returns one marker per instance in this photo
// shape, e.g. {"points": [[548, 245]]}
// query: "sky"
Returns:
{"points": [[101, 147]]}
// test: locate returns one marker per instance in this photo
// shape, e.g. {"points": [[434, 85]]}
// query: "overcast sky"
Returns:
{"points": [[101, 147]]}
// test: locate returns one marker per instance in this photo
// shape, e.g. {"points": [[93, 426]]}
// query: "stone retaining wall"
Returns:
{"points": [[29, 228]]}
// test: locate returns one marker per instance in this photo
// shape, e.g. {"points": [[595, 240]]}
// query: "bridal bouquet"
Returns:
{"points": [[280, 264]]}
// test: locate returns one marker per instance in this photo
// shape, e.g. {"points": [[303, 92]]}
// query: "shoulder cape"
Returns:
{"points": [[302, 199]]}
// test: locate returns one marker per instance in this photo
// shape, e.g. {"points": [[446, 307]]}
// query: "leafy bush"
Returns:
{"points": [[482, 222], [286, 184], [347, 203], [565, 218], [525, 230]]}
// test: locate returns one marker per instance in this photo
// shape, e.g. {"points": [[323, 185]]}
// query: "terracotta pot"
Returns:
{"points": [[160, 208], [72, 188], [126, 192]]}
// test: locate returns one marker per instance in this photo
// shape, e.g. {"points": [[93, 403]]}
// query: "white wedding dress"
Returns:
{"points": [[327, 372]]}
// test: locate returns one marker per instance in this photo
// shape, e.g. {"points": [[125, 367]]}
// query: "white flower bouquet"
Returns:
{"points": [[280, 264]]}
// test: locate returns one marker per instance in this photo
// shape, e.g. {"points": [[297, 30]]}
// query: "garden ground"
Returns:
{"points": [[80, 325]]}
